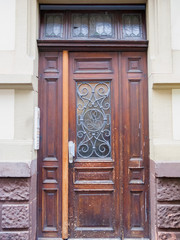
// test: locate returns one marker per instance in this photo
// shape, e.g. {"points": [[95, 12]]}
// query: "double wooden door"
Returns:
{"points": [[108, 125]]}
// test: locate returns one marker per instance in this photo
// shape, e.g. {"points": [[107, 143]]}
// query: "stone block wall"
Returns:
{"points": [[18, 208], [168, 208]]}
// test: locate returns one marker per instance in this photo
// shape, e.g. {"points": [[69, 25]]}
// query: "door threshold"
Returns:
{"points": [[94, 238], [49, 238], [136, 238], [108, 238]]}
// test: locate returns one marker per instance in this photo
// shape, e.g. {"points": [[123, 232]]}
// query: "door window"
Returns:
{"points": [[93, 120]]}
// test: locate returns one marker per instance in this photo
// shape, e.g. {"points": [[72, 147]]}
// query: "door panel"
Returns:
{"points": [[135, 142], [49, 155], [93, 124]]}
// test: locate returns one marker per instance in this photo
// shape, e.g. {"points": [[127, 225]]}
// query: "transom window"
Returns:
{"points": [[88, 25]]}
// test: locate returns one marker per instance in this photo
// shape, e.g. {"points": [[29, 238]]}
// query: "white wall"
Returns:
{"points": [[7, 24], [7, 114], [175, 24], [176, 113]]}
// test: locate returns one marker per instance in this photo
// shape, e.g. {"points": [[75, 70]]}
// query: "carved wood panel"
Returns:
{"points": [[135, 142], [49, 156]]}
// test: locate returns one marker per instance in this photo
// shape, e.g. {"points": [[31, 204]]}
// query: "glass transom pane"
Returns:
{"points": [[98, 25], [93, 119], [54, 26], [101, 25], [132, 26], [80, 25]]}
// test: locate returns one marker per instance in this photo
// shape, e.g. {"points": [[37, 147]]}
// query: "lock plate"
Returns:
{"points": [[71, 147]]}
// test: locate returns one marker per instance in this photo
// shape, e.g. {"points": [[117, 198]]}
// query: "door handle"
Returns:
{"points": [[71, 147]]}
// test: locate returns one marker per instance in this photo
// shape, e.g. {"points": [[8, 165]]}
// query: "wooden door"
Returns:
{"points": [[108, 122], [108, 180], [94, 190]]}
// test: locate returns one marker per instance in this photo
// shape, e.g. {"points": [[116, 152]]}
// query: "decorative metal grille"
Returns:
{"points": [[54, 26], [93, 119], [132, 26]]}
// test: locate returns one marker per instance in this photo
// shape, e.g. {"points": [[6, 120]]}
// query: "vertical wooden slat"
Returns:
{"points": [[65, 148]]}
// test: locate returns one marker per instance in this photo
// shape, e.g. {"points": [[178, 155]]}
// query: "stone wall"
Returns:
{"points": [[18, 208]]}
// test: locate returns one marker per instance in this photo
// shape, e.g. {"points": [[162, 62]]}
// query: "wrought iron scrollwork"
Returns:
{"points": [[93, 120]]}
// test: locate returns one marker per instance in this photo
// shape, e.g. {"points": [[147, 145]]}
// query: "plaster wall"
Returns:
{"points": [[7, 25], [176, 113], [18, 74], [7, 114], [19, 70], [164, 75], [175, 19]]}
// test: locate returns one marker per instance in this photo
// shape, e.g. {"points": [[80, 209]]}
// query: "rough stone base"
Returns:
{"points": [[14, 236], [18, 208], [165, 200], [168, 195], [169, 236], [168, 208]]}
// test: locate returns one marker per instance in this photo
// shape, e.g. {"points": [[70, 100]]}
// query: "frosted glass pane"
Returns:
{"points": [[98, 25], [54, 26], [93, 25], [132, 26], [101, 26], [80, 25]]}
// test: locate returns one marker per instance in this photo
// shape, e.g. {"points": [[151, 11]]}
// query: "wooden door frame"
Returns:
{"points": [[77, 45], [65, 160], [47, 45]]}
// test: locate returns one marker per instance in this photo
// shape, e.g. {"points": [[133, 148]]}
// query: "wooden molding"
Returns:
{"points": [[92, 45], [92, 7], [65, 148]]}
